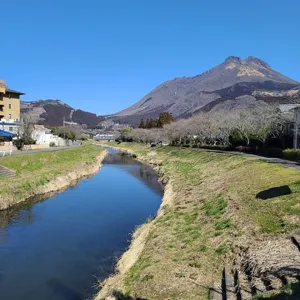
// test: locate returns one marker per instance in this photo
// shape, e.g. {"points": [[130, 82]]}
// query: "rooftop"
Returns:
{"points": [[14, 91]]}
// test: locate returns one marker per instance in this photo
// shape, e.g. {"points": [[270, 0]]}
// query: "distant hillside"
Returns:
{"points": [[52, 113], [235, 82], [228, 81]]}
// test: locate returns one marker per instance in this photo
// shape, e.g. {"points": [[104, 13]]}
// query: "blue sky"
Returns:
{"points": [[104, 55]]}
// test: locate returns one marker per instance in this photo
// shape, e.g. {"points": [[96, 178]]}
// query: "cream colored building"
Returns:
{"points": [[9, 103]]}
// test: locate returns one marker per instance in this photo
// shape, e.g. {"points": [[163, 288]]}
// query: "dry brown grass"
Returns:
{"points": [[211, 214]]}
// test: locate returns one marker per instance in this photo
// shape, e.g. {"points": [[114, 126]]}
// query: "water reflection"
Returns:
{"points": [[56, 248], [141, 171], [22, 212]]}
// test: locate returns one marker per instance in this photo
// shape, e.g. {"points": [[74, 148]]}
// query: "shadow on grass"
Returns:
{"points": [[274, 192]]}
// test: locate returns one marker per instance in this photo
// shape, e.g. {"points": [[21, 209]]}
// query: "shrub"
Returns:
{"points": [[84, 137], [52, 144], [291, 154], [28, 140], [19, 143]]}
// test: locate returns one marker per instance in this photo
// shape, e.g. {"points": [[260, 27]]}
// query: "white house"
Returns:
{"points": [[43, 136]]}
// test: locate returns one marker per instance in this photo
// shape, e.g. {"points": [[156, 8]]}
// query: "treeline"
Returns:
{"points": [[69, 133], [251, 128], [163, 119]]}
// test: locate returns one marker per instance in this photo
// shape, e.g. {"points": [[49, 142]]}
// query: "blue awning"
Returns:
{"points": [[7, 133]]}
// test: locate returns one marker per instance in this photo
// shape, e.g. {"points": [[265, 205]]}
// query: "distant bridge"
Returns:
{"points": [[106, 137]]}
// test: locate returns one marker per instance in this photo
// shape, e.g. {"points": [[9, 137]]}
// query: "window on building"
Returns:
{"points": [[10, 129], [9, 106], [9, 116]]}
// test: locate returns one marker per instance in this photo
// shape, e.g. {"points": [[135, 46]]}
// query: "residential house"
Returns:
{"points": [[43, 136]]}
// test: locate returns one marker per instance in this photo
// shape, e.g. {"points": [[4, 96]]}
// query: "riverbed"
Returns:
{"points": [[59, 246]]}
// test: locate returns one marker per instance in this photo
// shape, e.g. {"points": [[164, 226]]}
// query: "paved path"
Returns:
{"points": [[271, 160], [37, 150], [43, 150]]}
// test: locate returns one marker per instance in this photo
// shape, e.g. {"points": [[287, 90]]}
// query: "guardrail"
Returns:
{"points": [[4, 152]]}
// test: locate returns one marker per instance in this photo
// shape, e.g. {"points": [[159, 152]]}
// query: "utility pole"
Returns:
{"points": [[64, 128], [296, 124]]}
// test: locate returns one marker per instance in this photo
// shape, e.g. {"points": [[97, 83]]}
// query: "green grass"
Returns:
{"points": [[223, 248], [213, 209], [221, 225], [38, 169]]}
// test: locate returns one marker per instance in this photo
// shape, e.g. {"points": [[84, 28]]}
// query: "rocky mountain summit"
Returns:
{"points": [[228, 81], [235, 82]]}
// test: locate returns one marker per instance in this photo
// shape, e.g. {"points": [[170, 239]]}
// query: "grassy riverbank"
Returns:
{"points": [[37, 170], [209, 219]]}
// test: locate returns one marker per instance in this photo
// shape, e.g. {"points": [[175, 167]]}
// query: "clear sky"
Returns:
{"points": [[104, 55]]}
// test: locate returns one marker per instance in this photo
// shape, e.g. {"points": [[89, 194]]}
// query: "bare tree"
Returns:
{"points": [[267, 122]]}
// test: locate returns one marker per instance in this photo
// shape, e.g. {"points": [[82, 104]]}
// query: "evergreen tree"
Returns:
{"points": [[165, 118], [147, 124], [142, 124]]}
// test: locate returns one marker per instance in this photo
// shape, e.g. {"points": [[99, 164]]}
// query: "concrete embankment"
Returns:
{"points": [[56, 184]]}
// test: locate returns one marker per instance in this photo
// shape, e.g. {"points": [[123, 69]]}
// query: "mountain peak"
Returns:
{"points": [[257, 61], [234, 59]]}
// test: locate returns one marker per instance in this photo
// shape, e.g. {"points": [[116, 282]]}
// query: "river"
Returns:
{"points": [[57, 247]]}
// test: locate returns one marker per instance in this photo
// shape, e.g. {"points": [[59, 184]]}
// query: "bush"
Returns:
{"points": [[84, 137], [291, 154], [19, 143], [28, 140], [52, 144]]}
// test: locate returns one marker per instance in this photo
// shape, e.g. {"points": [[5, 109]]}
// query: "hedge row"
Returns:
{"points": [[291, 154]]}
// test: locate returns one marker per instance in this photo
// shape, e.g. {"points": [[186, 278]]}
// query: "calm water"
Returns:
{"points": [[57, 248]]}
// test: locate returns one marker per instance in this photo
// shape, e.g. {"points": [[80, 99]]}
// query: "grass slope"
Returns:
{"points": [[213, 214], [38, 169]]}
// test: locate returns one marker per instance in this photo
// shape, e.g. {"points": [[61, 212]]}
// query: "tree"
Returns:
{"points": [[126, 134], [164, 119], [65, 133], [142, 124], [268, 122], [25, 133]]}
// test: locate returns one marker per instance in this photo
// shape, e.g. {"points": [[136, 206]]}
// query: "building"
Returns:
{"points": [[9, 108], [43, 136], [9, 103]]}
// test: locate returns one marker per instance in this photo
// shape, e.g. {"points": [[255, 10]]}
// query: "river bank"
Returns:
{"points": [[210, 218], [46, 172]]}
